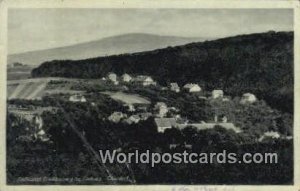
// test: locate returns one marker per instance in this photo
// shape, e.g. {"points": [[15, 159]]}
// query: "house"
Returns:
{"points": [[116, 117], [227, 126], [192, 87], [248, 98], [134, 118], [204, 126], [41, 135], [126, 78], [164, 123], [144, 80], [161, 109], [217, 94], [269, 134], [174, 87], [112, 77], [77, 98]]}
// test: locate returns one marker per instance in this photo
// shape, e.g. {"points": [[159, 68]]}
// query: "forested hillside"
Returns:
{"points": [[258, 63]]}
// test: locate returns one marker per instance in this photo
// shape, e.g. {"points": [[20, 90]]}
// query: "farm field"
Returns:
{"points": [[35, 88], [19, 73]]}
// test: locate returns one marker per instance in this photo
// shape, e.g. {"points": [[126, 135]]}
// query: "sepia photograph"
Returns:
{"points": [[150, 96]]}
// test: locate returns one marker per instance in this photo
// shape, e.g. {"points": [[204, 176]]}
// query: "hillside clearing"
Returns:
{"points": [[127, 98]]}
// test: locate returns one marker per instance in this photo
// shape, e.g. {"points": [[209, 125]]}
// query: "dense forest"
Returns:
{"points": [[259, 63]]}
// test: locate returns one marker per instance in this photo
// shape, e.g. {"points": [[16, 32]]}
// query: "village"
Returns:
{"points": [[165, 116], [138, 109]]}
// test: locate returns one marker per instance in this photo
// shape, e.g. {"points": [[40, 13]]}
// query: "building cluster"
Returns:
{"points": [[143, 80], [166, 117], [118, 117], [167, 123], [34, 116]]}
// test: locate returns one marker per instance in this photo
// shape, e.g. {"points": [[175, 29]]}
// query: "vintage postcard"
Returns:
{"points": [[149, 95]]}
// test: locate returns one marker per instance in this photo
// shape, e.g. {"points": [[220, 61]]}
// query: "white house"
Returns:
{"points": [[174, 87], [161, 109], [134, 118], [112, 77], [126, 78], [269, 134], [248, 98], [217, 94], [144, 80], [116, 117], [203, 126], [192, 87], [77, 98]]}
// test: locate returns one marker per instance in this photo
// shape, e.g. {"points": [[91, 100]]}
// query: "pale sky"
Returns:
{"points": [[36, 29]]}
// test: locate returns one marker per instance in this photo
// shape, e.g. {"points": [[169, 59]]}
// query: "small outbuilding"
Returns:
{"points": [[248, 98], [174, 87], [77, 98], [217, 94], [126, 78], [192, 87]]}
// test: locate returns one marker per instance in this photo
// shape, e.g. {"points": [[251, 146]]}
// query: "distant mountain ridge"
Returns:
{"points": [[127, 43], [258, 63]]}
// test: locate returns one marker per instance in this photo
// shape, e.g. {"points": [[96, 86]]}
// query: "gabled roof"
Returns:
{"points": [[165, 122], [248, 95], [160, 104], [189, 86], [272, 134], [174, 85], [142, 78], [217, 91], [117, 113]]}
